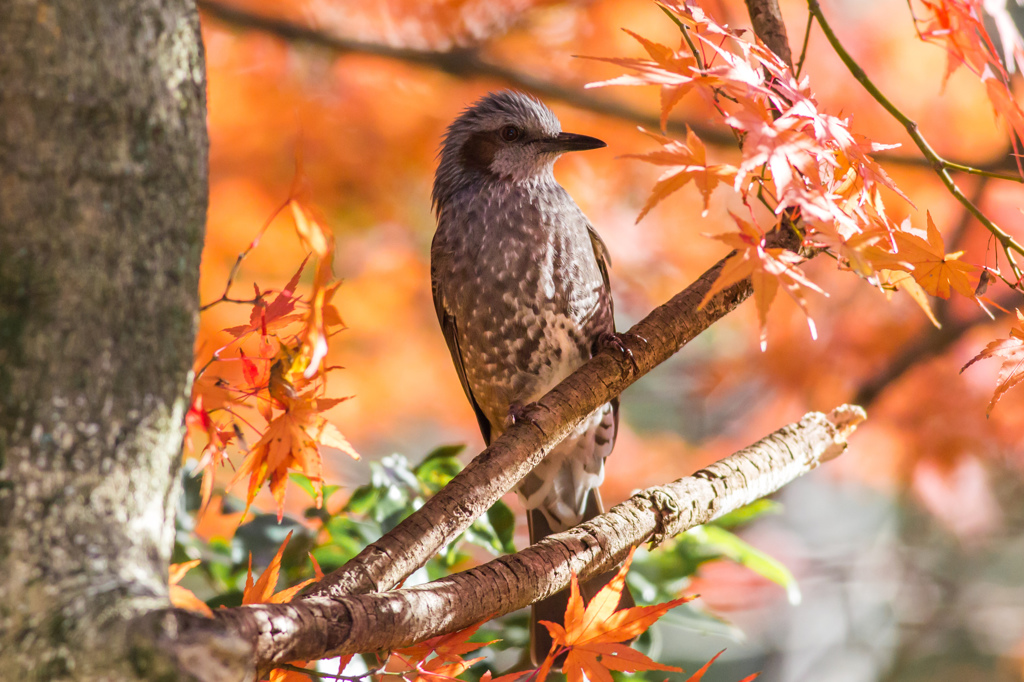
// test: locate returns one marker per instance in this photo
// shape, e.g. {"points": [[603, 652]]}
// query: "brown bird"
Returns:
{"points": [[520, 284]]}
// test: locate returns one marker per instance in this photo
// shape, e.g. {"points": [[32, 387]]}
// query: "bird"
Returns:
{"points": [[520, 283]]}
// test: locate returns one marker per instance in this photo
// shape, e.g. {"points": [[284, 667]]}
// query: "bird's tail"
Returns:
{"points": [[553, 608]]}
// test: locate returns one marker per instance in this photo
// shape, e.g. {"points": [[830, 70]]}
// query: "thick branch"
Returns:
{"points": [[319, 627], [495, 471], [388, 561], [766, 17]]}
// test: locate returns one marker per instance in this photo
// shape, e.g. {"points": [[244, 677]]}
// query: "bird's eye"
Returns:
{"points": [[510, 133]]}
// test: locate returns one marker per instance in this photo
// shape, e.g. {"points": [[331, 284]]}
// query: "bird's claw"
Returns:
{"points": [[517, 412], [614, 340]]}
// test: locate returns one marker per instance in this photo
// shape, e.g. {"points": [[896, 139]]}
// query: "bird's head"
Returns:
{"points": [[505, 135]]}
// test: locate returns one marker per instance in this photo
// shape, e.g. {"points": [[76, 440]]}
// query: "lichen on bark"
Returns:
{"points": [[103, 192]]}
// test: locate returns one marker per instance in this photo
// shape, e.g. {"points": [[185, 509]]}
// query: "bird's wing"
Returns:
{"points": [[604, 261], [451, 336]]}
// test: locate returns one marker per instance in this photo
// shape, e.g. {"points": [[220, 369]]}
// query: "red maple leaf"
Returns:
{"points": [[1011, 352], [438, 659], [767, 268]]}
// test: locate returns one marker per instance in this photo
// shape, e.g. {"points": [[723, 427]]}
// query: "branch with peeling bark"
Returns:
{"points": [[317, 627], [355, 608], [496, 470]]}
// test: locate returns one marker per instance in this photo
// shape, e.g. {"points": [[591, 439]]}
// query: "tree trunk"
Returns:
{"points": [[103, 192]]}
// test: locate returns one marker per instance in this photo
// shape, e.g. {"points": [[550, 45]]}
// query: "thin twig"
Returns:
{"points": [[982, 172], [940, 165], [803, 49], [686, 36]]}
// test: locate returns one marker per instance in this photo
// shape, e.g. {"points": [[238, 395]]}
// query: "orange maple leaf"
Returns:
{"points": [[439, 658], [934, 269], [1002, 100], [699, 675], [959, 27], [593, 633], [674, 70], [1011, 351], [767, 268], [261, 591], [686, 162], [320, 240], [904, 281], [292, 441], [183, 597]]}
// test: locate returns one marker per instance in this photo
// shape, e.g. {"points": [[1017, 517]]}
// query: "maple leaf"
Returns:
{"points": [[958, 26], [904, 281], [261, 591], [312, 233], [673, 70], [1003, 102], [292, 441], [686, 162], [699, 675], [438, 658], [265, 317], [934, 269], [183, 597], [767, 269], [593, 633], [214, 452], [1011, 351], [321, 314]]}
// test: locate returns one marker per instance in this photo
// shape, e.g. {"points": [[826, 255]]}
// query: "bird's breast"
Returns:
{"points": [[527, 293]]}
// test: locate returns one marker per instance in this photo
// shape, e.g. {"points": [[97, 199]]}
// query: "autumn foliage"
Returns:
{"points": [[265, 393]]}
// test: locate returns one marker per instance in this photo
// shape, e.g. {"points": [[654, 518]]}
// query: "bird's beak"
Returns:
{"points": [[571, 142]]}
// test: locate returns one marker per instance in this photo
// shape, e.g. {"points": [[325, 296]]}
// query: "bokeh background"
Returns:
{"points": [[909, 549]]}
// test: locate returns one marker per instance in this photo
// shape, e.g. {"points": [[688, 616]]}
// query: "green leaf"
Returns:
{"points": [[350, 536], [730, 546], [503, 521], [437, 470], [331, 557], [443, 452], [363, 499], [303, 482]]}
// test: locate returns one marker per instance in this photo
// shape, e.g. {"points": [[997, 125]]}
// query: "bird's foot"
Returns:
{"points": [[616, 341], [517, 412]]}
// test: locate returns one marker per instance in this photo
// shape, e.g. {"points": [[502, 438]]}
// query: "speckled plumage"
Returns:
{"points": [[520, 283], [521, 290]]}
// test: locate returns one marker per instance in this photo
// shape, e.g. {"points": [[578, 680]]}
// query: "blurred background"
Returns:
{"points": [[908, 550]]}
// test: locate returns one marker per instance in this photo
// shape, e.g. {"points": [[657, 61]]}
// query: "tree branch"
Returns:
{"points": [[766, 18], [468, 63], [386, 562], [320, 627]]}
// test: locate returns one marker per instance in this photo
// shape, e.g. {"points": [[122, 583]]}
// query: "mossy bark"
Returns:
{"points": [[103, 193]]}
